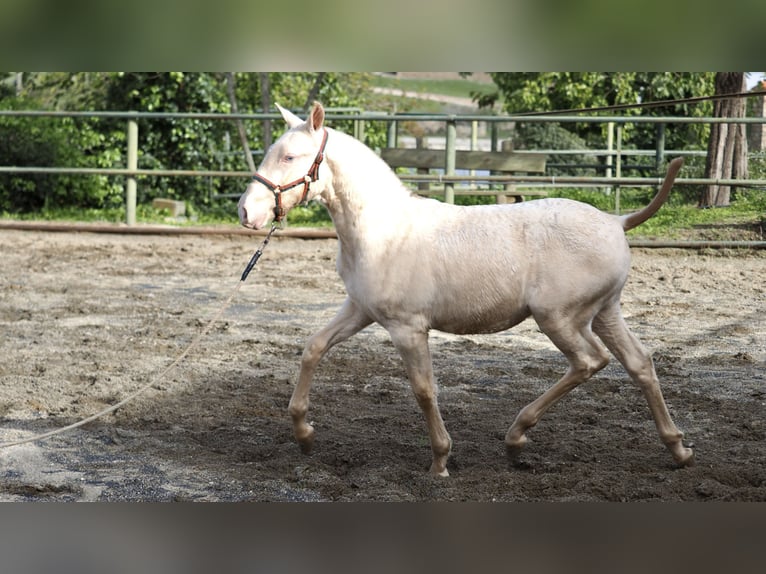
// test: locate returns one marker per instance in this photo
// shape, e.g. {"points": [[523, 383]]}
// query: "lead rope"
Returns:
{"points": [[170, 367]]}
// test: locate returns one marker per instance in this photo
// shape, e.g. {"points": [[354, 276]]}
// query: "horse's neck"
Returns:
{"points": [[366, 200]]}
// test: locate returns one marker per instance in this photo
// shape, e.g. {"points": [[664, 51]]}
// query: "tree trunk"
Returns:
{"points": [[727, 147], [231, 88], [263, 81]]}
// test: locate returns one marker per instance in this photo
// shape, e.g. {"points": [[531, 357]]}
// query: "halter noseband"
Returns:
{"points": [[306, 180]]}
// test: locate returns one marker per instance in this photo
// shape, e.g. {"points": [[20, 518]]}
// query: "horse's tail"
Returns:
{"points": [[632, 220]]}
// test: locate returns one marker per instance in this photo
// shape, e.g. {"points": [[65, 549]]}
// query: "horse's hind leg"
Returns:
{"points": [[348, 321], [586, 356], [610, 326]]}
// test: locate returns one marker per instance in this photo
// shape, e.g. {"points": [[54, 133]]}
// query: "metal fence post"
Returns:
{"points": [[422, 143], [449, 160], [618, 169], [609, 158], [130, 189], [474, 140], [359, 128], [510, 188], [391, 136], [660, 154]]}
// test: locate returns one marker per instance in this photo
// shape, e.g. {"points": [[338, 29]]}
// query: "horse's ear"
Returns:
{"points": [[316, 117], [292, 120]]}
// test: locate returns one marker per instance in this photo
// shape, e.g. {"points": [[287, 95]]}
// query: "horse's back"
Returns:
{"points": [[548, 227]]}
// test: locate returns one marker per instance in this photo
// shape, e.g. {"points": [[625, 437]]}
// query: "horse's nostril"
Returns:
{"points": [[243, 214]]}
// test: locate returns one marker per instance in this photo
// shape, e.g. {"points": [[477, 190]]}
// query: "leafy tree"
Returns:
{"points": [[169, 143], [54, 142], [554, 136], [64, 90], [553, 91]]}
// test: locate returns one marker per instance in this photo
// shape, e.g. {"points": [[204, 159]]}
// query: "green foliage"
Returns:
{"points": [[473, 199], [548, 91], [176, 143], [163, 143], [49, 142], [291, 91], [313, 215], [553, 136], [65, 90]]}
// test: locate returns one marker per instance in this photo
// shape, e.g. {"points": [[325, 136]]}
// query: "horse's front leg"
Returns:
{"points": [[413, 347], [348, 321]]}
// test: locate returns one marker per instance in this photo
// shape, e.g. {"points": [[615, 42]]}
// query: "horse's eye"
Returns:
{"points": [[289, 157]]}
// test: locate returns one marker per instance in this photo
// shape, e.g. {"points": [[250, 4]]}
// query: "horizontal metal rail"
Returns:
{"points": [[383, 117], [579, 180], [413, 177], [613, 152], [124, 172]]}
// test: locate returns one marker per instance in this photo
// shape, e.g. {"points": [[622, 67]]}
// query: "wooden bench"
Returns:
{"points": [[496, 162]]}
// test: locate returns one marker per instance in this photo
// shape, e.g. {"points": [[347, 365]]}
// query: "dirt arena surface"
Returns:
{"points": [[88, 318]]}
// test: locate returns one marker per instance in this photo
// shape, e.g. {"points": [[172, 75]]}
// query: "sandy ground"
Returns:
{"points": [[86, 318]]}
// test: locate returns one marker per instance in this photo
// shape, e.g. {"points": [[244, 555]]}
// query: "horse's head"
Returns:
{"points": [[292, 171]]}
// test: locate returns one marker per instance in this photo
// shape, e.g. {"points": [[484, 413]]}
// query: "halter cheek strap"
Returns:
{"points": [[306, 180]]}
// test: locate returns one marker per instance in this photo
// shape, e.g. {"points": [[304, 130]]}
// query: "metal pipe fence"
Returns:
{"points": [[386, 117], [448, 179]]}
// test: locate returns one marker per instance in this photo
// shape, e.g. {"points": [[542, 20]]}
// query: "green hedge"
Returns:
{"points": [[54, 142]]}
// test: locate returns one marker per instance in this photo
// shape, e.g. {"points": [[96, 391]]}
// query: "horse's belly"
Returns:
{"points": [[466, 320]]}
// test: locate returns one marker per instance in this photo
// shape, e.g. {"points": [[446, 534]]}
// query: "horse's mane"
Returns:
{"points": [[370, 166]]}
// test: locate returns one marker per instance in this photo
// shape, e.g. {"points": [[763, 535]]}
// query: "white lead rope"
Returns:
{"points": [[167, 369]]}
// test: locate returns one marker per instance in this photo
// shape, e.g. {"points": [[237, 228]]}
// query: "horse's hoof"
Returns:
{"points": [[513, 450], [306, 439], [438, 472], [686, 459]]}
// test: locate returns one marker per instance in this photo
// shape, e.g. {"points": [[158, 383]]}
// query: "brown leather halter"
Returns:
{"points": [[306, 180]]}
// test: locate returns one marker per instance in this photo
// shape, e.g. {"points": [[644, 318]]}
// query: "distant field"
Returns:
{"points": [[461, 88]]}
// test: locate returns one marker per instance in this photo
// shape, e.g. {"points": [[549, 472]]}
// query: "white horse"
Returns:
{"points": [[413, 264]]}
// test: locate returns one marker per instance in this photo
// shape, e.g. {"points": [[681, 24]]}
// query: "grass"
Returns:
{"points": [[222, 214], [144, 214], [744, 219], [689, 222], [461, 88]]}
